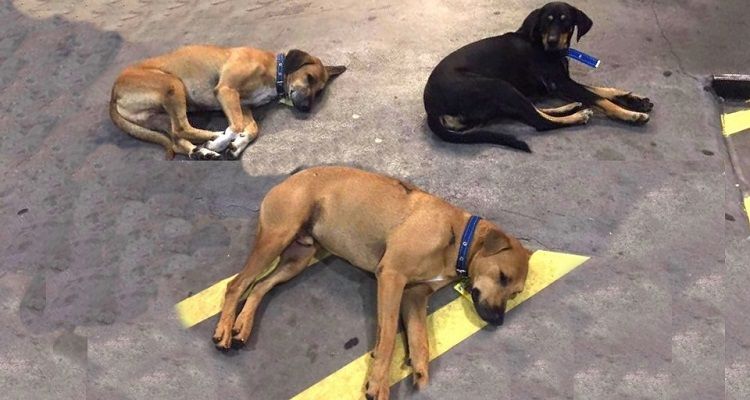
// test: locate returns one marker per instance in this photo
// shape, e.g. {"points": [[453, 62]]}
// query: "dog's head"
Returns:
{"points": [[552, 25], [497, 271], [306, 76]]}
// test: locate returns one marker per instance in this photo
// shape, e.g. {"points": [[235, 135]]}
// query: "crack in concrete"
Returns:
{"points": [[680, 66]]}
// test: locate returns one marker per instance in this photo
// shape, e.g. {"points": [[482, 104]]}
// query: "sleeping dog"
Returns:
{"points": [[494, 78], [415, 243], [152, 97]]}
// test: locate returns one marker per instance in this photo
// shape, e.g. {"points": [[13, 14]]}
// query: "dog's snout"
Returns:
{"points": [[301, 100], [492, 315]]}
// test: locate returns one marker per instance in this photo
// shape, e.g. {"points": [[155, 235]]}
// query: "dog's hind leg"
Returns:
{"points": [[294, 260], [184, 146], [499, 98], [521, 107], [414, 315], [562, 110], [269, 244]]}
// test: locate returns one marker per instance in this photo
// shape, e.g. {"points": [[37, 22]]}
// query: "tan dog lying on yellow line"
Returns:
{"points": [[154, 95], [414, 243]]}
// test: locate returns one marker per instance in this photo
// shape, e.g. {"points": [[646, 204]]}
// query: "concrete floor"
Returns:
{"points": [[102, 237]]}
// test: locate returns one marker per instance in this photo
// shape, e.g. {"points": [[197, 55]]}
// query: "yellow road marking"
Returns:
{"points": [[207, 303], [447, 327], [735, 122], [747, 207]]}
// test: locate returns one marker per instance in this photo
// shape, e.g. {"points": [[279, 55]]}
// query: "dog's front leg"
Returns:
{"points": [[248, 135], [229, 99], [390, 289], [575, 91], [623, 98], [414, 314]]}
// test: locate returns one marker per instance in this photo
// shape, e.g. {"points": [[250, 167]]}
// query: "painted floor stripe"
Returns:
{"points": [[735, 122], [207, 303], [747, 208], [447, 327]]}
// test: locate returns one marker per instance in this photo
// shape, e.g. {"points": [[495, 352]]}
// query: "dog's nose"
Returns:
{"points": [[553, 41], [493, 317]]}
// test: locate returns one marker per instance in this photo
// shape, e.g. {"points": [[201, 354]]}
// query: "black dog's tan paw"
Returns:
{"points": [[202, 153], [639, 118], [585, 115], [634, 103]]}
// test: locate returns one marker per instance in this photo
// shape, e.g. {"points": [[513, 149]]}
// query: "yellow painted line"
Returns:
{"points": [[207, 303], [747, 208], [447, 327], [735, 122]]}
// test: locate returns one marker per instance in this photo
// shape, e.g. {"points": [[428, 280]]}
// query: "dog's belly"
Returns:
{"points": [[362, 252], [202, 98]]}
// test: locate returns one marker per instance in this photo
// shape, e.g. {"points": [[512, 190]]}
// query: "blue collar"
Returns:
{"points": [[280, 74], [463, 250]]}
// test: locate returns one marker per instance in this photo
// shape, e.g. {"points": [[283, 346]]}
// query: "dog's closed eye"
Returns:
{"points": [[311, 79], [504, 280]]}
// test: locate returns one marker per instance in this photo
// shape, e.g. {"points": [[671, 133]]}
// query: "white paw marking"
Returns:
{"points": [[203, 153], [586, 115], [221, 142], [238, 145]]}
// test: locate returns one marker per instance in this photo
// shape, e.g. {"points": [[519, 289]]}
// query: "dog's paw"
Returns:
{"points": [[222, 141], [376, 391], [420, 379], [585, 115], [639, 118], [634, 103], [238, 145], [222, 337], [202, 153], [241, 331]]}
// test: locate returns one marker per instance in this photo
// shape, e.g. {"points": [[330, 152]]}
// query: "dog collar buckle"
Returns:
{"points": [[280, 74], [463, 249]]}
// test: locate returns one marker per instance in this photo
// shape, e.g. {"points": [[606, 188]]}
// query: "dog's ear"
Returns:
{"points": [[296, 59], [335, 70], [583, 23], [530, 24], [495, 242]]}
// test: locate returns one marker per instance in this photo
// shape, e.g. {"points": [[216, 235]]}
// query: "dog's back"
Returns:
{"points": [[328, 203]]}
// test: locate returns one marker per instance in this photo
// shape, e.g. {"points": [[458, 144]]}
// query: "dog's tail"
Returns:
{"points": [[475, 136], [138, 131]]}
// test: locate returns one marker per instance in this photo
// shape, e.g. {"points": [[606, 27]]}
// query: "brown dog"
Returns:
{"points": [[409, 239], [154, 95]]}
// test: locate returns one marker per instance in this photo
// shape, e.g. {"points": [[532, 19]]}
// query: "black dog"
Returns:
{"points": [[494, 78]]}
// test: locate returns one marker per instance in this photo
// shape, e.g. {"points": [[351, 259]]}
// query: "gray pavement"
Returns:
{"points": [[101, 237]]}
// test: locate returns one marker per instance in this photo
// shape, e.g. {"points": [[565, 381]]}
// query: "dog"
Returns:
{"points": [[494, 78], [154, 95], [409, 239]]}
